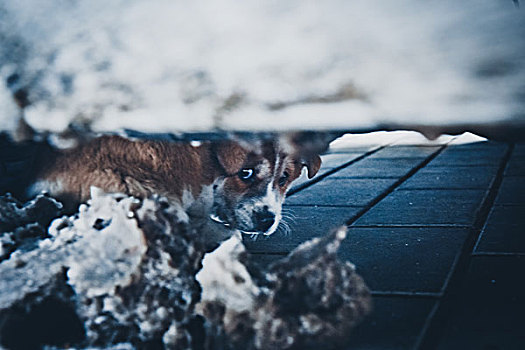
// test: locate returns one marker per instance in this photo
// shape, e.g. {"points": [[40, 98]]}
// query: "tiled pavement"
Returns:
{"points": [[436, 229]]}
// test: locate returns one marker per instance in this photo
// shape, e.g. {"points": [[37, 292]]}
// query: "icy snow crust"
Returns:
{"points": [[167, 65], [127, 273]]}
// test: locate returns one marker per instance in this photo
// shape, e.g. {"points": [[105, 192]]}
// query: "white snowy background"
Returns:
{"points": [[165, 65]]}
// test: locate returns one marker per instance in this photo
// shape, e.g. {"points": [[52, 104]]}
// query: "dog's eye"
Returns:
{"points": [[246, 174], [284, 179]]}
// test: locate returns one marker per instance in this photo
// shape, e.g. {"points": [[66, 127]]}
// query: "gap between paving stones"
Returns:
{"points": [[496, 254], [434, 326], [394, 293], [412, 225], [439, 188]]}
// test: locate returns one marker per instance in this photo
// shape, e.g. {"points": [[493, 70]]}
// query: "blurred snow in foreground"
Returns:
{"points": [[167, 65], [8, 110]]}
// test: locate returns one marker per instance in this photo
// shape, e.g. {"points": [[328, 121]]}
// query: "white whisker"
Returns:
{"points": [[288, 216], [284, 227], [288, 212], [289, 221]]}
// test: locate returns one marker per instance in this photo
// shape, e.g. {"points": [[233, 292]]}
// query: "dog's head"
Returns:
{"points": [[250, 193]]}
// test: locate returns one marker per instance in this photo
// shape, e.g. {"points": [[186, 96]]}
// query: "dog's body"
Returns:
{"points": [[232, 185]]}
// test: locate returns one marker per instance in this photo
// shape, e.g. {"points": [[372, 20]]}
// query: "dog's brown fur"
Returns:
{"points": [[139, 168], [145, 167]]}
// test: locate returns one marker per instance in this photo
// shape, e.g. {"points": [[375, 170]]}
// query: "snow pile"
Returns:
{"points": [[225, 279], [175, 65], [125, 284], [24, 224], [308, 300], [106, 260], [122, 272]]}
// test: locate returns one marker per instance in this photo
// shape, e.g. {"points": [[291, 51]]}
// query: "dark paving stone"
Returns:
{"points": [[305, 223], [519, 150], [403, 259], [405, 152], [504, 231], [390, 259], [485, 340], [378, 168], [512, 191], [516, 164], [335, 160], [341, 192], [465, 156], [491, 305], [451, 177], [424, 207], [482, 145], [395, 323], [515, 167]]}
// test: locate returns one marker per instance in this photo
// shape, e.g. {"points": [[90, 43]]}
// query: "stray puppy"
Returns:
{"points": [[231, 185]]}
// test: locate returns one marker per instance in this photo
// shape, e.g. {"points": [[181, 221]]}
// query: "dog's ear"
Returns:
{"points": [[306, 146], [231, 156], [313, 164]]}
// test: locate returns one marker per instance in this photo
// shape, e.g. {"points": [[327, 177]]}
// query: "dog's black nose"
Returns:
{"points": [[264, 219]]}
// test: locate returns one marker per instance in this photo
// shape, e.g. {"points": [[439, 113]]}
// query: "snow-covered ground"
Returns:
{"points": [[164, 65]]}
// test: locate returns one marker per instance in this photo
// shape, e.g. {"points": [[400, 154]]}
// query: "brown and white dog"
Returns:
{"points": [[234, 185]]}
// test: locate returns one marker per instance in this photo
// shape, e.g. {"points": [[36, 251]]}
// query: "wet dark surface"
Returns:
{"points": [[437, 232]]}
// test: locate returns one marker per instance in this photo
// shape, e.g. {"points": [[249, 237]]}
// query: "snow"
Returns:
{"points": [[108, 259], [166, 65], [225, 279], [134, 280], [8, 110]]}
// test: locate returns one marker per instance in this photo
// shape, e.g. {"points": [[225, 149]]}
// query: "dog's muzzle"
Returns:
{"points": [[263, 220]]}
